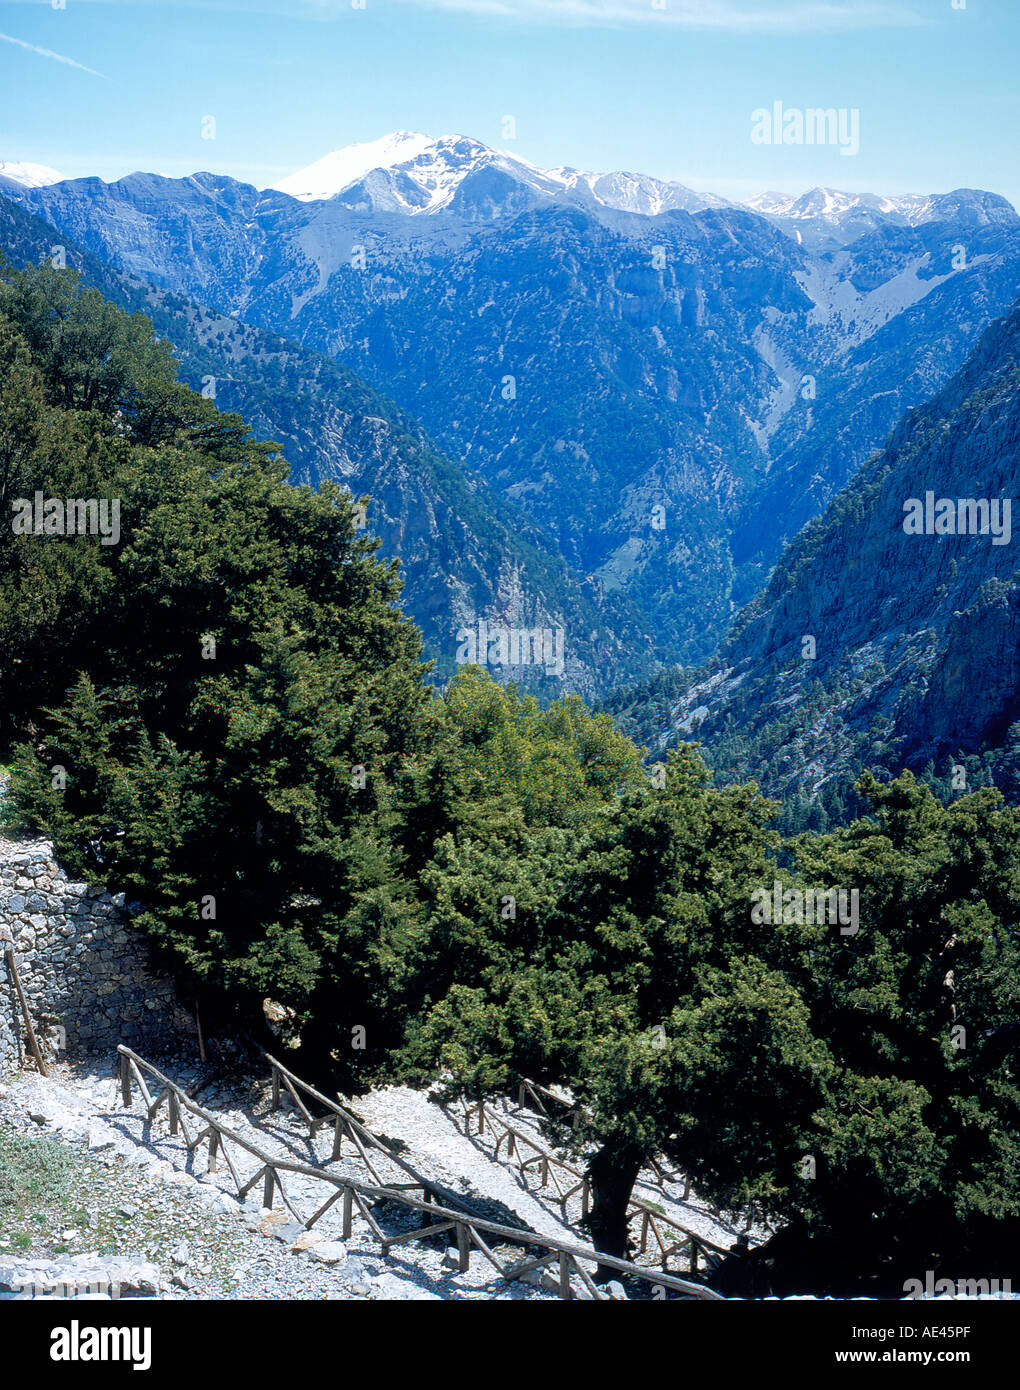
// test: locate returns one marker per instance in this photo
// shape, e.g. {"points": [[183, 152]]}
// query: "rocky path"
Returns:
{"points": [[146, 1214], [84, 1107], [445, 1140], [186, 1224]]}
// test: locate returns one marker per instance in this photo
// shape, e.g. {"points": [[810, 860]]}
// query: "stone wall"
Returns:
{"points": [[81, 963]]}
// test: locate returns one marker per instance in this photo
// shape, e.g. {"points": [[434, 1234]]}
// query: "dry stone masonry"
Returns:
{"points": [[81, 963]]}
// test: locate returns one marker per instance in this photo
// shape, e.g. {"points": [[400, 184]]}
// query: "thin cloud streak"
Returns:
{"points": [[733, 16], [780, 16], [48, 53]]}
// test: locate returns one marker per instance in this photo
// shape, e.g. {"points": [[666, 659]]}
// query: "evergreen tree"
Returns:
{"points": [[213, 713]]}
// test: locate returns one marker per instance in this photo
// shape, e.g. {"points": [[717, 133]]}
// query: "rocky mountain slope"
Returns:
{"points": [[889, 632], [668, 385], [467, 553], [899, 310], [827, 218], [139, 1211]]}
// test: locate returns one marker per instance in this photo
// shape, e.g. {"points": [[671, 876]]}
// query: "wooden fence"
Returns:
{"points": [[470, 1233], [530, 1095], [347, 1126], [567, 1181], [652, 1222]]}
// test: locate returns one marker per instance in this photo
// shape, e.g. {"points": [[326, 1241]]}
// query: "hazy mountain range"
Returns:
{"points": [[464, 550]]}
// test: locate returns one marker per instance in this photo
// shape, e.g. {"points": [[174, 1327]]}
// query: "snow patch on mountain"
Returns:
{"points": [[827, 218], [337, 171], [407, 172], [833, 205], [637, 193], [29, 175], [411, 173]]}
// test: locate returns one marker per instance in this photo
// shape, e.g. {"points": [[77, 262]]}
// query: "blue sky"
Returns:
{"points": [[664, 87]]}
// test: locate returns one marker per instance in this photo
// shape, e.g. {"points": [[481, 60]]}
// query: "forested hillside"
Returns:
{"points": [[875, 645], [217, 708], [466, 552]]}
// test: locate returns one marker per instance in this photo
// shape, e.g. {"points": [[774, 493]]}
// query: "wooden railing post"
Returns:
{"points": [[276, 1090], [125, 1080], [175, 1113], [338, 1134], [463, 1247], [214, 1144], [565, 1290], [33, 1043], [348, 1211], [267, 1188]]}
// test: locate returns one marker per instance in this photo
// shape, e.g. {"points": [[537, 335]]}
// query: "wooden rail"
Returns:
{"points": [[573, 1111], [346, 1125], [470, 1232], [532, 1095], [652, 1221], [538, 1095], [550, 1166]]}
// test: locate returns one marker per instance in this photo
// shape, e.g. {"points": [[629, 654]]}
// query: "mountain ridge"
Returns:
{"points": [[668, 398], [466, 553], [412, 173], [821, 675]]}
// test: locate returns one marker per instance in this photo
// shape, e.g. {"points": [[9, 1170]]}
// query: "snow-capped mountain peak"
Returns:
{"points": [[636, 192], [828, 217], [413, 173], [834, 204], [409, 172], [29, 175]]}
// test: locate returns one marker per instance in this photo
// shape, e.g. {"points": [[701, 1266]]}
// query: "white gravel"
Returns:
{"points": [[82, 1108]]}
